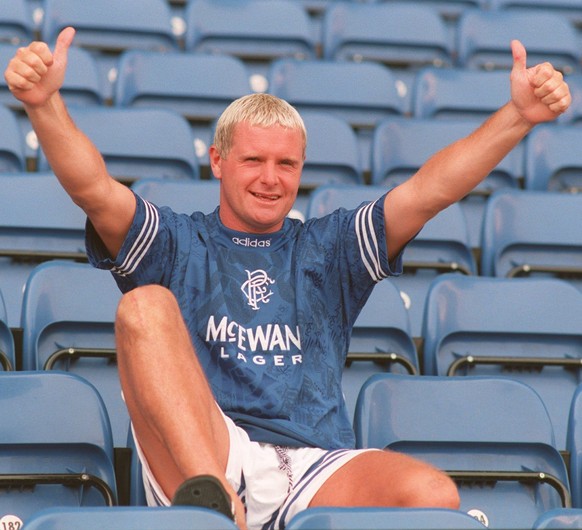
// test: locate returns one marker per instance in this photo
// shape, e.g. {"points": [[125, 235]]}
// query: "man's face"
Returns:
{"points": [[259, 177]]}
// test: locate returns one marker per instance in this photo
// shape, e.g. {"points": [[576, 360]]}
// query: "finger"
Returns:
{"points": [[64, 41], [519, 56]]}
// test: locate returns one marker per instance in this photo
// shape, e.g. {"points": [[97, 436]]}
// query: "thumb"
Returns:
{"points": [[519, 55], [64, 41]]}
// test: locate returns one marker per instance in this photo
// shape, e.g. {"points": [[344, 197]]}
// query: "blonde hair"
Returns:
{"points": [[261, 110]]}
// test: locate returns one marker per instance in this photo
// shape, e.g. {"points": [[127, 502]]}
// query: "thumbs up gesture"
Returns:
{"points": [[35, 73], [540, 92]]}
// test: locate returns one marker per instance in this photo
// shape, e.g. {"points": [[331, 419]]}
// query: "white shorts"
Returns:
{"points": [[273, 482]]}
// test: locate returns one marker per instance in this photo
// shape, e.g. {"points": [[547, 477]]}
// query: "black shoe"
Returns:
{"points": [[205, 491]]}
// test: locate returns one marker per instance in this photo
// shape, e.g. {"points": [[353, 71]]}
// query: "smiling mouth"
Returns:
{"points": [[265, 197]]}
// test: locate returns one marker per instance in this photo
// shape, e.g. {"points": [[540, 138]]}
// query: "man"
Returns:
{"points": [[234, 327]]}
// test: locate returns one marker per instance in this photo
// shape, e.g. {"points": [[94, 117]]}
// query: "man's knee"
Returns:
{"points": [[432, 488], [143, 305]]}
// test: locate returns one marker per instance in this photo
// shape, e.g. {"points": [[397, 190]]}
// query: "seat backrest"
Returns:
{"points": [[458, 92], [569, 8], [68, 315], [16, 23], [130, 518], [7, 354], [202, 85], [109, 25], [12, 154], [401, 145], [56, 444], [336, 518], [473, 428], [574, 446], [332, 154], [518, 239], [399, 35], [249, 29], [559, 519], [486, 326], [483, 39], [360, 93], [139, 143], [552, 159], [181, 196]]}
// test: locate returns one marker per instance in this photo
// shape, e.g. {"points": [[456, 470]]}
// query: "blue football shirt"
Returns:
{"points": [[270, 315]]}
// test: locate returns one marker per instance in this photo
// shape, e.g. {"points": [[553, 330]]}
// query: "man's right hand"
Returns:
{"points": [[35, 73]]}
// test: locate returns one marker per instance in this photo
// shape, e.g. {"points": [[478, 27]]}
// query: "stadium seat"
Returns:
{"points": [[574, 447], [525, 329], [7, 357], [441, 246], [336, 518], [569, 8], [138, 142], [401, 145], [381, 341], [484, 39], [68, 314], [360, 93], [255, 31], [30, 233], [181, 196], [130, 518], [553, 160], [12, 153], [108, 27], [573, 114], [56, 445], [520, 240], [492, 435], [559, 519], [16, 24], [459, 93], [450, 10], [201, 87]]}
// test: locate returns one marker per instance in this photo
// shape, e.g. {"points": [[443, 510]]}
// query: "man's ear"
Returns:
{"points": [[215, 160]]}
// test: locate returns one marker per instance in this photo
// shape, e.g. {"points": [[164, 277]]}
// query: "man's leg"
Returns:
{"points": [[387, 478], [176, 420]]}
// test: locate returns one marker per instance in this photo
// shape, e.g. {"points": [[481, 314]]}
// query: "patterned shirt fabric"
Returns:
{"points": [[270, 316]]}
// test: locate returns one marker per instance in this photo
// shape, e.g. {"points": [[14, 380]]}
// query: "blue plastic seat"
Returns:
{"points": [[483, 39], [108, 27], [7, 354], [519, 240], [68, 315], [139, 143], [396, 34], [574, 447], [12, 153], [524, 329], [30, 234], [573, 115], [56, 447], [130, 518], [202, 87], [335, 518], [492, 435], [16, 24], [559, 519], [569, 8], [181, 196], [450, 10], [360, 93], [255, 31], [553, 160], [459, 93], [381, 341], [441, 246]]}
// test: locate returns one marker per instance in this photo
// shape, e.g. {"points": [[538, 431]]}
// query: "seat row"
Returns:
{"points": [[492, 435]]}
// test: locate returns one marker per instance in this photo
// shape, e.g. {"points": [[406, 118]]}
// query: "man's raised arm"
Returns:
{"points": [[538, 94], [35, 76]]}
